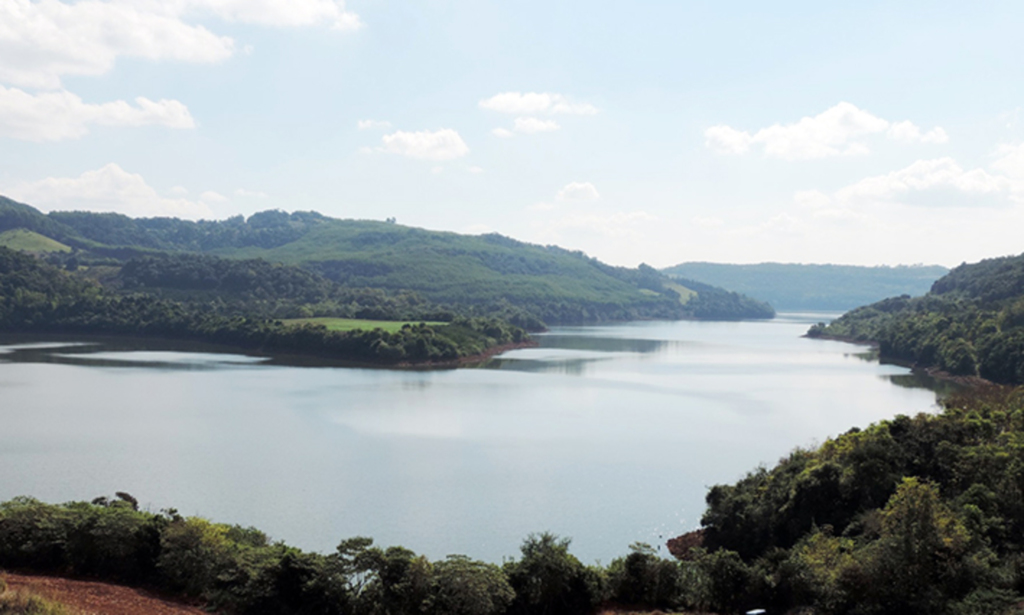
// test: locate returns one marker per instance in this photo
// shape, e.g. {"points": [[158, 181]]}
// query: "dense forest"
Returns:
{"points": [[480, 274], [971, 323], [796, 287], [37, 297], [914, 515]]}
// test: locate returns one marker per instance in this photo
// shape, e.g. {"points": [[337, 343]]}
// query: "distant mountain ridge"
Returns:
{"points": [[797, 287], [490, 271]]}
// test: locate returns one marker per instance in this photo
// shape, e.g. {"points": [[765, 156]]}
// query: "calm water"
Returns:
{"points": [[608, 435]]}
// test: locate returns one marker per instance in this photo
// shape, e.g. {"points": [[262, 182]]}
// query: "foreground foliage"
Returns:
{"points": [[971, 323], [914, 515]]}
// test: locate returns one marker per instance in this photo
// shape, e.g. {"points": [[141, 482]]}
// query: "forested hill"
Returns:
{"points": [[970, 323], [795, 287], [486, 271]]}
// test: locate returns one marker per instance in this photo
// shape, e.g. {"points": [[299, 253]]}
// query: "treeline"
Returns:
{"points": [[970, 324], [37, 297], [915, 515], [240, 571]]}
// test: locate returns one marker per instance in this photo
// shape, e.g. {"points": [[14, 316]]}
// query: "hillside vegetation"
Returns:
{"points": [[36, 297], [793, 287], [915, 515], [486, 273], [971, 323]]}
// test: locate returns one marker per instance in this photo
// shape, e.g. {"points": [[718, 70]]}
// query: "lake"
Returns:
{"points": [[607, 435]]}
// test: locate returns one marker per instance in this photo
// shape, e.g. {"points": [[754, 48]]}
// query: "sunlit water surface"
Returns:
{"points": [[608, 435]]}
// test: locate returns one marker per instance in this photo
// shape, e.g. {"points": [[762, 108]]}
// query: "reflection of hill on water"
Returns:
{"points": [[604, 344], [920, 380]]}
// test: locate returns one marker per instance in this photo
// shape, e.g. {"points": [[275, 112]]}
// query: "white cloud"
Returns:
{"points": [[909, 132], [42, 41], [288, 13], [503, 133], [255, 194], [941, 174], [53, 116], [1010, 160], [531, 125], [212, 197], [531, 103], [475, 170], [437, 170], [578, 191], [444, 144], [372, 124], [834, 132], [108, 189]]}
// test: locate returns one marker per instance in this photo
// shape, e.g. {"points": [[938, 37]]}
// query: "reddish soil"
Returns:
{"points": [[93, 598]]}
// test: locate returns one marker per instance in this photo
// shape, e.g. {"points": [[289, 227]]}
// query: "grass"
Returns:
{"points": [[351, 324], [685, 294], [23, 603], [28, 241]]}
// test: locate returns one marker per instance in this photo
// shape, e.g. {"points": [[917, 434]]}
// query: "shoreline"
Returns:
{"points": [[931, 371], [300, 359]]}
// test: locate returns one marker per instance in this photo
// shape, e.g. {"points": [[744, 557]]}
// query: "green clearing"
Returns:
{"points": [[351, 324], [29, 241], [685, 294]]}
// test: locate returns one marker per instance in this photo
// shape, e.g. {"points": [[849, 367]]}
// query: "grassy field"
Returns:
{"points": [[351, 324], [21, 239], [685, 294]]}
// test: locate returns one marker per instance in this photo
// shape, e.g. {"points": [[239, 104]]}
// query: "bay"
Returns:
{"points": [[607, 435]]}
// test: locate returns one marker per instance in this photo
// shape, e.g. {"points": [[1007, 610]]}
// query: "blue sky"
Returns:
{"points": [[658, 132]]}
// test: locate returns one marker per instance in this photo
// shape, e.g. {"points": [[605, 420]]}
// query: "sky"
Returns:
{"points": [[861, 133]]}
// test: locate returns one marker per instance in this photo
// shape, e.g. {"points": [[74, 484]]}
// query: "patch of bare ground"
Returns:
{"points": [[95, 598]]}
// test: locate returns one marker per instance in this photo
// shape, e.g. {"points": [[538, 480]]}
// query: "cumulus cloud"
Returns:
{"points": [[939, 182], [444, 144], [289, 13], [373, 124], [926, 175], [531, 125], [255, 194], [534, 103], [53, 116], [909, 132], [578, 191], [834, 132], [42, 41], [108, 189], [503, 133]]}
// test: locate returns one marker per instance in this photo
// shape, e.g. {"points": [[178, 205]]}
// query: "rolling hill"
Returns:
{"points": [[489, 272]]}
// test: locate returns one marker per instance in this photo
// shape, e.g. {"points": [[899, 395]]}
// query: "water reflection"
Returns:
{"points": [[918, 379]]}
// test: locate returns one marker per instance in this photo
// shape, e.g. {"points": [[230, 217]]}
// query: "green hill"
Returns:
{"points": [[971, 323], [794, 287], [489, 272]]}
